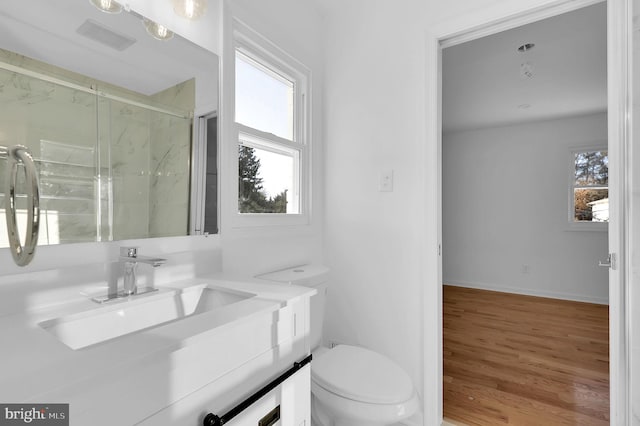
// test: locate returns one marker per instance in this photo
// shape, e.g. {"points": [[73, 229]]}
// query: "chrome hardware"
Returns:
{"points": [[129, 253], [22, 255], [610, 262], [129, 256]]}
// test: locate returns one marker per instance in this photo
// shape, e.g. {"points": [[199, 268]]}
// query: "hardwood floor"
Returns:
{"points": [[521, 360]]}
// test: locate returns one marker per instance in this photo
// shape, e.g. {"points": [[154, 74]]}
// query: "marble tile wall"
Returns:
{"points": [[170, 158], [129, 143]]}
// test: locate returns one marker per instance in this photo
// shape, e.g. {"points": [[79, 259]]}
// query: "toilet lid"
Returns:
{"points": [[361, 375]]}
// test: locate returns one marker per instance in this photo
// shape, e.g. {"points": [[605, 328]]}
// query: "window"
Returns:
{"points": [[268, 181], [589, 186], [270, 115], [264, 98]]}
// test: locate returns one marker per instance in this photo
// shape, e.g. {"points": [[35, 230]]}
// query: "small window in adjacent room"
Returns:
{"points": [[590, 187], [271, 118]]}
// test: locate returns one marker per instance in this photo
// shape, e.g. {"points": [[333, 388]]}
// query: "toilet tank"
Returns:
{"points": [[315, 276]]}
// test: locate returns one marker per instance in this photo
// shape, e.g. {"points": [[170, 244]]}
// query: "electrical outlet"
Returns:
{"points": [[386, 181], [526, 269]]}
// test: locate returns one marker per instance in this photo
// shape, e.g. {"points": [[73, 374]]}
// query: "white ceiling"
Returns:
{"points": [[482, 85]]}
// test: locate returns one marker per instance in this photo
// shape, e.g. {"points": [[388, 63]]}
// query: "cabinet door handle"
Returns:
{"points": [[271, 418], [213, 420]]}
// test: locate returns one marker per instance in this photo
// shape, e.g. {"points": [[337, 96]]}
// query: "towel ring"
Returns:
{"points": [[16, 154]]}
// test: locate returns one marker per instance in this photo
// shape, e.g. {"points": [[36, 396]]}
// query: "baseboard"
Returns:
{"points": [[449, 422], [528, 292]]}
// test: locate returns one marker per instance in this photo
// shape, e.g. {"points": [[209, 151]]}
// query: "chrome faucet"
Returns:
{"points": [[130, 258], [129, 255]]}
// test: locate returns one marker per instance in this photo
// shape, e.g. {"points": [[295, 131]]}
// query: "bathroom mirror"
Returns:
{"points": [[108, 104]]}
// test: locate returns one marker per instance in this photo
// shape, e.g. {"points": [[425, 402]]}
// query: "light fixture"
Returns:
{"points": [[526, 68], [157, 31], [190, 9], [109, 6]]}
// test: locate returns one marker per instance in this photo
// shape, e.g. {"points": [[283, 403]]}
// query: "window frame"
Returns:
{"points": [[277, 62], [582, 226]]}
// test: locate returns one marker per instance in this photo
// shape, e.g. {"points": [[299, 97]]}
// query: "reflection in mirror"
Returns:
{"points": [[108, 113], [211, 194]]}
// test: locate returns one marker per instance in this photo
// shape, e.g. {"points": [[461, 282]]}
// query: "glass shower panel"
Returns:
{"points": [[58, 124], [170, 176], [130, 168], [149, 154]]}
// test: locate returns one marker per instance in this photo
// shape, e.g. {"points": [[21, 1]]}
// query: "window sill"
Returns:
{"points": [[257, 220], [588, 227]]}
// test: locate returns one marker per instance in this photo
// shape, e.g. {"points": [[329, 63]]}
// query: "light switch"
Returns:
{"points": [[386, 181]]}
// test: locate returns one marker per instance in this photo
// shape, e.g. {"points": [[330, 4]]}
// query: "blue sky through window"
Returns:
{"points": [[264, 100]]}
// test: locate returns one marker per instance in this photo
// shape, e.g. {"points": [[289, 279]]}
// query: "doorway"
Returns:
{"points": [[509, 168]]}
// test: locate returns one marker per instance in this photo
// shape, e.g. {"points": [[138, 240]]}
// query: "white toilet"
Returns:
{"points": [[350, 386]]}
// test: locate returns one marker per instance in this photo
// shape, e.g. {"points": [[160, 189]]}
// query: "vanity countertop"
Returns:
{"points": [[37, 367]]}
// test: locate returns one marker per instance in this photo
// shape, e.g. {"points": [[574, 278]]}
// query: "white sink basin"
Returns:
{"points": [[127, 316]]}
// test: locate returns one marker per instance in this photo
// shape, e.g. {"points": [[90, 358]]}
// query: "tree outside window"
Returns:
{"points": [[252, 195], [591, 186]]}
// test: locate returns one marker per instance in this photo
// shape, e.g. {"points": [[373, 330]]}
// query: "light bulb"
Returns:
{"points": [[109, 6], [190, 9], [157, 31]]}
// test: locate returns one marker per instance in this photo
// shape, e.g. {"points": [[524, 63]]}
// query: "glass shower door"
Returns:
{"points": [[58, 125]]}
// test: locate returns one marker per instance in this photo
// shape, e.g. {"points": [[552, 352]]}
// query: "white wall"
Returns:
{"points": [[374, 101], [381, 105], [295, 29], [505, 205]]}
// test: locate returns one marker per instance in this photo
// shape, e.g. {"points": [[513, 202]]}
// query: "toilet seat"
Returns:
{"points": [[362, 412], [361, 375]]}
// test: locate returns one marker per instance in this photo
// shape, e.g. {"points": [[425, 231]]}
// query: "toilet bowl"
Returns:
{"points": [[350, 385], [355, 386]]}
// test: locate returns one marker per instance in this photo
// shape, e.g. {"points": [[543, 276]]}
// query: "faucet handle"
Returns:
{"points": [[129, 251]]}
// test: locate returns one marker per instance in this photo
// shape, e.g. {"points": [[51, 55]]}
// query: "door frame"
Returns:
{"points": [[491, 20]]}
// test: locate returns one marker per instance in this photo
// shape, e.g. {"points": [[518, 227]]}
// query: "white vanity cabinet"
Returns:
{"points": [[288, 404], [174, 373]]}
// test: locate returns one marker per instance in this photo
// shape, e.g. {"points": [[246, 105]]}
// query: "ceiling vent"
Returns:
{"points": [[103, 35]]}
